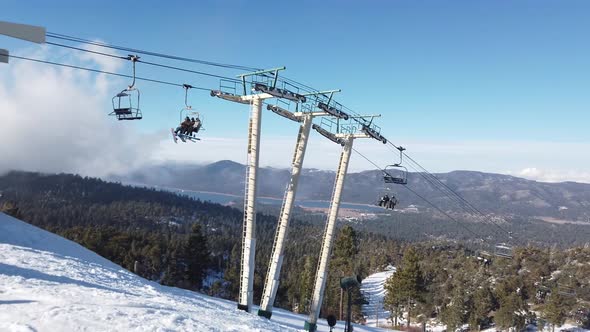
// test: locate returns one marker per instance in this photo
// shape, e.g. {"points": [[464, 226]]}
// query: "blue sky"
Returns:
{"points": [[506, 73]]}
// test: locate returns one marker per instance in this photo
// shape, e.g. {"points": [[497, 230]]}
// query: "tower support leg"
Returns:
{"points": [[246, 293], [322, 271], [271, 283]]}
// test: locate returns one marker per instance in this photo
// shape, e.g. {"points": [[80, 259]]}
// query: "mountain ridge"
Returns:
{"points": [[493, 193]]}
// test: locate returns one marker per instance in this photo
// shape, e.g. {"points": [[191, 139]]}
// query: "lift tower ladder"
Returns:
{"points": [[356, 129], [271, 283], [262, 85]]}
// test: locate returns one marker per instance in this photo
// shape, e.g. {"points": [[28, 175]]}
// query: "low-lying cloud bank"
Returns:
{"points": [[53, 119]]}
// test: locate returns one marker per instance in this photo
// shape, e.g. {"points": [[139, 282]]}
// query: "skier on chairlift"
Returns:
{"points": [[194, 127], [392, 203], [388, 202], [184, 126], [384, 202]]}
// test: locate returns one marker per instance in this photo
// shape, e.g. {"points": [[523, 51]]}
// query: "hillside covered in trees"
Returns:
{"points": [[192, 244]]}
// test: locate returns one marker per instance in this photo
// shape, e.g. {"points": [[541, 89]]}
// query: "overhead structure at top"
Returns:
{"points": [[26, 32], [258, 82]]}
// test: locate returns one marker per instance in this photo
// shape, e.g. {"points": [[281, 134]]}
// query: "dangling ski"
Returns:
{"points": [[185, 137], [174, 136]]}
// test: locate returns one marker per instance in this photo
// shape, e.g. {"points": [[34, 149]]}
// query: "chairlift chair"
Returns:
{"points": [[124, 107], [566, 288], [503, 250], [396, 173], [567, 291], [126, 102]]}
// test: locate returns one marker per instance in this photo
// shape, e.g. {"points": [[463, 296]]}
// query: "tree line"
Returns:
{"points": [[184, 242]]}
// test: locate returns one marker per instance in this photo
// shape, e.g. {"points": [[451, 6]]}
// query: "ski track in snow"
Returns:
{"points": [[48, 283], [372, 288]]}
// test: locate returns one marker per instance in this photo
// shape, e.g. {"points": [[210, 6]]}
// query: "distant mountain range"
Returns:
{"points": [[489, 193]]}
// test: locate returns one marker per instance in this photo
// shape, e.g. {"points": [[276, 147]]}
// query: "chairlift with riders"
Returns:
{"points": [[393, 174], [126, 102], [190, 121]]}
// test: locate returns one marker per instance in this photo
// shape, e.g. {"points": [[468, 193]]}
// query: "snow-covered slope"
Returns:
{"points": [[373, 289], [48, 283]]}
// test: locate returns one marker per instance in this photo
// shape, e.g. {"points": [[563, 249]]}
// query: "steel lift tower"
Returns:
{"points": [[263, 86], [360, 129], [304, 117]]}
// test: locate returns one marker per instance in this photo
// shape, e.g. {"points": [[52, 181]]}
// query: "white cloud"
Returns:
{"points": [[54, 120], [106, 63], [537, 174]]}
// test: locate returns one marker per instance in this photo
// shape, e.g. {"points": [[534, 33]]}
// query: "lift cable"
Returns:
{"points": [[297, 84], [145, 62], [429, 177], [424, 199], [449, 192], [300, 85], [104, 72], [441, 186], [453, 198], [85, 50], [463, 200], [157, 54]]}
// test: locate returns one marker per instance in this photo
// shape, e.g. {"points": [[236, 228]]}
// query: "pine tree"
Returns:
{"points": [[393, 301], [232, 272], [174, 269], [11, 209], [555, 310], [407, 283], [306, 282], [483, 302], [509, 314], [196, 257], [343, 263], [453, 314]]}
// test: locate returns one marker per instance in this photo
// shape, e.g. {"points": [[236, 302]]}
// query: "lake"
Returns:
{"points": [[224, 199]]}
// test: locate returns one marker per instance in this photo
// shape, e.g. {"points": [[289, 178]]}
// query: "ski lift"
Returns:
{"points": [[566, 288], [188, 112], [126, 102], [396, 173], [567, 291], [503, 250]]}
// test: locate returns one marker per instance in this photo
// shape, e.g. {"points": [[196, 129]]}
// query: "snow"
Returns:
{"points": [[48, 283], [373, 289]]}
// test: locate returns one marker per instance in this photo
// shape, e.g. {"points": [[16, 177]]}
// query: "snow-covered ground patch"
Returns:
{"points": [[48, 283], [373, 290]]}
